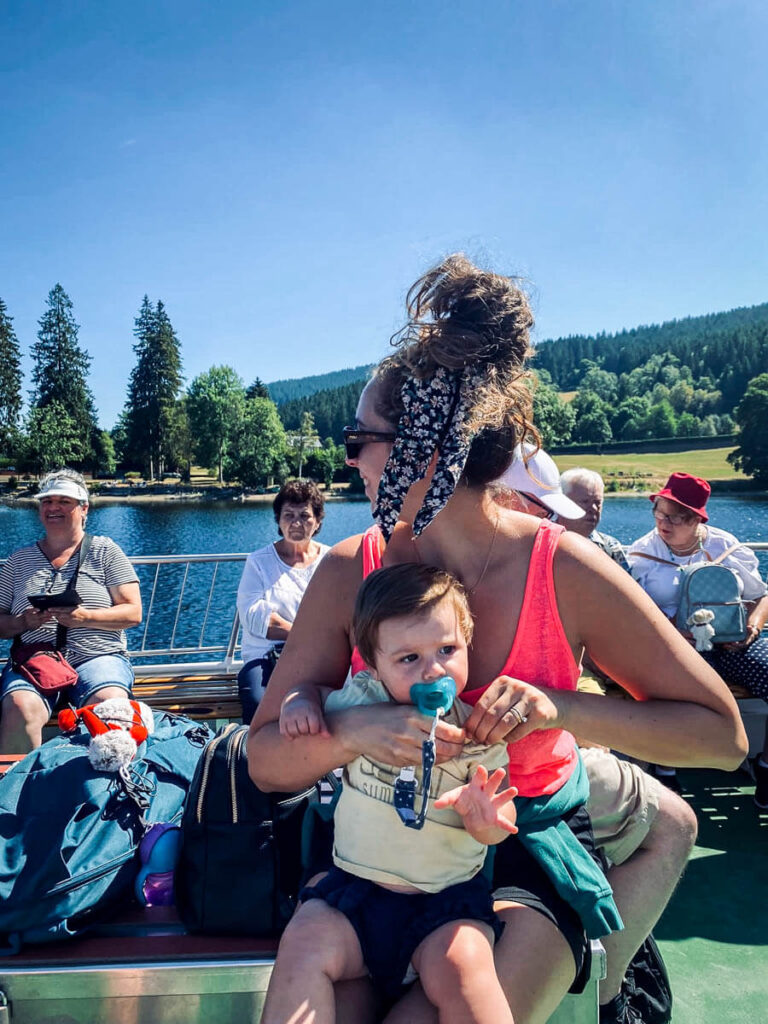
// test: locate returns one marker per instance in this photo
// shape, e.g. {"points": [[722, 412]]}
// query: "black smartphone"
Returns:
{"points": [[66, 599]]}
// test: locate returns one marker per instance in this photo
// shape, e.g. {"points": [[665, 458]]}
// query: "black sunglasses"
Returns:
{"points": [[354, 439]]}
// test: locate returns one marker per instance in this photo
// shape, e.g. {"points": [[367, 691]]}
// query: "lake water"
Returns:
{"points": [[169, 528]]}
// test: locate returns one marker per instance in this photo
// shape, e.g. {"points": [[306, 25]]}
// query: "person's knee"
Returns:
{"points": [[312, 940], [453, 956], [107, 693], [675, 827], [22, 708]]}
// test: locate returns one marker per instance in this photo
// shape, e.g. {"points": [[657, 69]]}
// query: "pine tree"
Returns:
{"points": [[10, 383], [153, 387], [257, 390], [60, 370]]}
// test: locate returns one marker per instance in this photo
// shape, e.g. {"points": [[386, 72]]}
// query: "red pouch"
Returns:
{"points": [[44, 667]]}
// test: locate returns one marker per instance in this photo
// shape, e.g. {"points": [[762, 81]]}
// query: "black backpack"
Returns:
{"points": [[647, 986], [240, 868]]}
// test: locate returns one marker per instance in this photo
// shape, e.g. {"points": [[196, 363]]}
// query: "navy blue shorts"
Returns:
{"points": [[391, 925]]}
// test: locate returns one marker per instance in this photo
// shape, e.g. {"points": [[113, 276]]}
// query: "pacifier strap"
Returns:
{"points": [[406, 783]]}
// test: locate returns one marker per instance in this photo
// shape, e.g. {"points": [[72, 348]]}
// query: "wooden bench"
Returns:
{"points": [[204, 698], [209, 697]]}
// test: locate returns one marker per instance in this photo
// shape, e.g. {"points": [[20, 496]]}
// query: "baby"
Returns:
{"points": [[401, 901]]}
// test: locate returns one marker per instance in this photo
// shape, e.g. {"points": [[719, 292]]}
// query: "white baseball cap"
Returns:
{"points": [[533, 472], [64, 487]]}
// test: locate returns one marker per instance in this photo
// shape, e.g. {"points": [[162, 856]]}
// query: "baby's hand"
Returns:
{"points": [[301, 715], [488, 815]]}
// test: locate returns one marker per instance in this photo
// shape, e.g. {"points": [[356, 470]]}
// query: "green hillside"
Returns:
{"points": [[288, 390], [680, 379], [728, 348]]}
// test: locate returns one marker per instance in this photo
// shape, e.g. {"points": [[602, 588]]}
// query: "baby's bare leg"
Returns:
{"points": [[457, 972], [318, 947]]}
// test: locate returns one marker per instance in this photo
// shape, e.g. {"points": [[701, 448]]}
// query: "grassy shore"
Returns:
{"points": [[623, 474], [644, 471]]}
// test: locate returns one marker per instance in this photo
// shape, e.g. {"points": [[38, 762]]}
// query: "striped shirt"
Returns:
{"points": [[28, 571]]}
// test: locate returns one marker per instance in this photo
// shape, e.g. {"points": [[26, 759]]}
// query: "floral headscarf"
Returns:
{"points": [[434, 413]]}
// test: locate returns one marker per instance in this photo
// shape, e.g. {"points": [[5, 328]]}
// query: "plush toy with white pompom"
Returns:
{"points": [[700, 625], [117, 727]]}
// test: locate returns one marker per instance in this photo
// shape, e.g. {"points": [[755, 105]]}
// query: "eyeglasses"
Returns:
{"points": [[673, 520], [548, 512], [354, 439]]}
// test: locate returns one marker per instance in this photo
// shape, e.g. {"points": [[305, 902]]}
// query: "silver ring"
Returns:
{"points": [[521, 718]]}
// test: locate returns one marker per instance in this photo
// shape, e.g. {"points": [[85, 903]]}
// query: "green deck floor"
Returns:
{"points": [[714, 934]]}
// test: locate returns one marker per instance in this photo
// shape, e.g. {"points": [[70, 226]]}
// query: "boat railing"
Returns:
{"points": [[190, 622], [190, 618]]}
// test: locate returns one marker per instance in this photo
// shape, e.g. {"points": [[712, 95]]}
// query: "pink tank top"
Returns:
{"points": [[542, 761], [371, 547]]}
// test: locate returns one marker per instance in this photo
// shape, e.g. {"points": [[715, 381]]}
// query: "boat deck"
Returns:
{"points": [[713, 935]]}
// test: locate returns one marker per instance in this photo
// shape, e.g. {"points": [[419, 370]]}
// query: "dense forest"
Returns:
{"points": [[683, 378], [697, 377], [728, 348], [332, 409], [281, 391]]}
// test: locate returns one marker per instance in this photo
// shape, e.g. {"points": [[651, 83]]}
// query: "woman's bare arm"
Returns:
{"points": [[317, 652], [684, 714]]}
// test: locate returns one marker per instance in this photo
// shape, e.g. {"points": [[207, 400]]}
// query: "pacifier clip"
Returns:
{"points": [[430, 698]]}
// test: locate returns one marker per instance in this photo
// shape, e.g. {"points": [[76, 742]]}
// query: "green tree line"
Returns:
{"points": [[696, 377], [164, 428]]}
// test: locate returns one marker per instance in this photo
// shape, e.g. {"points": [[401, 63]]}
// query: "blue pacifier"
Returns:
{"points": [[435, 698], [438, 695]]}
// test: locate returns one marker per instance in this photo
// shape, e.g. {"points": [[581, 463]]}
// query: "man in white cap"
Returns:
{"points": [[532, 484], [586, 488], [535, 480]]}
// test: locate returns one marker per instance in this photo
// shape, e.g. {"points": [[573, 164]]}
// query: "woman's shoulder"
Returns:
{"points": [[99, 540], [344, 554], [23, 554], [340, 570], [721, 539], [103, 546], [265, 554], [26, 549], [647, 544]]}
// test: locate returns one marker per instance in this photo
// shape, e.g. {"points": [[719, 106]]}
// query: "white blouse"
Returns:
{"points": [[269, 585], [661, 582]]}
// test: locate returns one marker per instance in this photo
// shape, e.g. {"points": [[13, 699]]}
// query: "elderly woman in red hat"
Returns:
{"points": [[682, 536]]}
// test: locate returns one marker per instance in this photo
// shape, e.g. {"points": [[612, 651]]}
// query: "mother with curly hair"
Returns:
{"points": [[436, 426]]}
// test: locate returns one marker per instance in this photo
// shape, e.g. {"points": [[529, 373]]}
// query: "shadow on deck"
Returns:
{"points": [[713, 935]]}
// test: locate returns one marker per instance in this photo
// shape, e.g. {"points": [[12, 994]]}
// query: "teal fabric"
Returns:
{"points": [[574, 874], [69, 834]]}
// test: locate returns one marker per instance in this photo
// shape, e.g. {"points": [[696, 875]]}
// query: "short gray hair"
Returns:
{"points": [[580, 475]]}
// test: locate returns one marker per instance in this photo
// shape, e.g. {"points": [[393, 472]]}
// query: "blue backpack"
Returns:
{"points": [[714, 586], [69, 834]]}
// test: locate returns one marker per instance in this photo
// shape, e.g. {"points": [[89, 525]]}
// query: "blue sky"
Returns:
{"points": [[279, 171]]}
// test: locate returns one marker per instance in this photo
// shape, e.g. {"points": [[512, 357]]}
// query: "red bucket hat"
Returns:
{"points": [[689, 491]]}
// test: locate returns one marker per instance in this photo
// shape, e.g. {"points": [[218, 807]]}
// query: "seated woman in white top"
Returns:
{"points": [[273, 583], [682, 536]]}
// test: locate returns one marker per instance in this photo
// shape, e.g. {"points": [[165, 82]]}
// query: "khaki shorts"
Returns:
{"points": [[623, 802], [590, 683]]}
